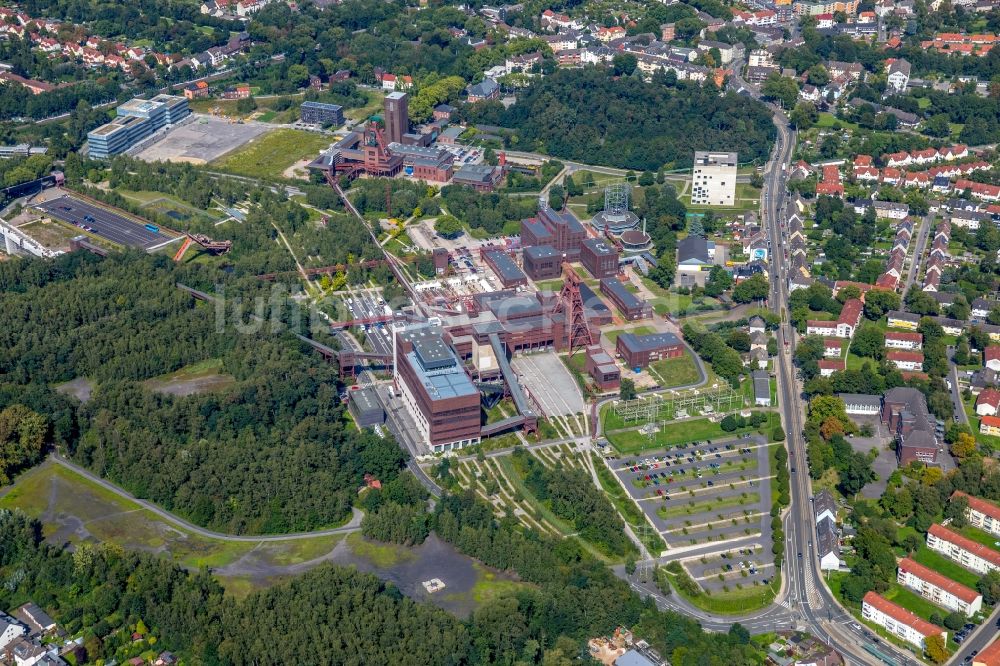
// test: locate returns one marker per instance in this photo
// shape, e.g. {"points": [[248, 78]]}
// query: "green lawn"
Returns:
{"points": [[688, 509], [946, 567], [912, 601], [979, 536], [675, 371], [828, 120], [681, 432], [270, 154]]}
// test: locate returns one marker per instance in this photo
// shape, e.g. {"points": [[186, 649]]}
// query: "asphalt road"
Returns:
{"points": [[923, 230], [352, 526], [810, 601], [103, 222]]}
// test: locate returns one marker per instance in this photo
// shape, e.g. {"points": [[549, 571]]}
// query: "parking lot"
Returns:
{"points": [[201, 141], [101, 222], [704, 494]]}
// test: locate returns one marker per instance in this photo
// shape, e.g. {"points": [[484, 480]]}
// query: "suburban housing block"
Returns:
{"points": [[968, 553], [982, 514], [898, 621], [938, 589]]}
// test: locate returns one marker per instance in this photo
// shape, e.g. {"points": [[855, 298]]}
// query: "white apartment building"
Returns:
{"points": [[982, 514], [973, 556], [898, 621], [938, 589], [10, 630], [713, 179]]}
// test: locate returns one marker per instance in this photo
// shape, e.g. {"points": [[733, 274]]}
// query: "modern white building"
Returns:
{"points": [[938, 589], [10, 630], [713, 179], [898, 621], [971, 555], [982, 514]]}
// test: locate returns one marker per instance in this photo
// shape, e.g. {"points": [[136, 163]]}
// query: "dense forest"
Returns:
{"points": [[586, 115], [270, 454], [336, 615]]}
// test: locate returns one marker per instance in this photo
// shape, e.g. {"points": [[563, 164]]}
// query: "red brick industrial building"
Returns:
{"points": [[638, 351], [558, 229], [542, 262], [439, 393], [599, 257], [631, 306], [602, 368]]}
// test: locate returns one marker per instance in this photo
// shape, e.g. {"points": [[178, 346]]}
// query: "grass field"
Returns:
{"points": [[268, 156], [681, 432], [671, 372], [201, 377], [946, 567], [73, 509], [979, 536], [912, 601]]}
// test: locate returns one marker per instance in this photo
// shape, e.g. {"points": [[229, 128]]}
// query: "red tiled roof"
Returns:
{"points": [[851, 314], [980, 505], [900, 614], [990, 656], [974, 547], [911, 356], [990, 422], [989, 397], [991, 353], [831, 364], [966, 594], [834, 342], [900, 335]]}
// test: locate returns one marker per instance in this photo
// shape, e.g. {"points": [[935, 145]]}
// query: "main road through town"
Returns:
{"points": [[809, 600]]}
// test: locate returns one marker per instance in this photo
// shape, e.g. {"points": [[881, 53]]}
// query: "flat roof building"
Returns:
{"points": [[506, 269], [320, 113], [365, 407], [437, 392], [432, 164], [631, 306], [480, 177], [713, 179], [599, 257], [638, 351], [558, 228], [602, 368], [135, 120], [542, 262]]}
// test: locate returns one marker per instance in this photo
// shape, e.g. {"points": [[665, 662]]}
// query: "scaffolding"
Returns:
{"points": [[669, 406]]}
